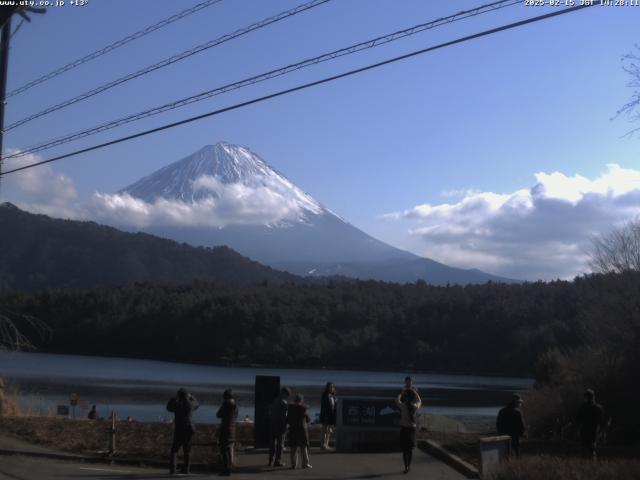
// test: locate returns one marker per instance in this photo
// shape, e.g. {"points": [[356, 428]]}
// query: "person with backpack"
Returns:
{"points": [[409, 402], [182, 405]]}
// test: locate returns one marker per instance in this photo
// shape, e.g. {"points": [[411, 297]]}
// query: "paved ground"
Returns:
{"points": [[8, 443], [329, 466]]}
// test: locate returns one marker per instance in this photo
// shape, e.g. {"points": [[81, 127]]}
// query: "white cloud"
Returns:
{"points": [[540, 232], [39, 189], [42, 190]]}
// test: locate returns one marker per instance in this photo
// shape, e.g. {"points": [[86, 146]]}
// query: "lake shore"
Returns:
{"points": [[40, 382]]}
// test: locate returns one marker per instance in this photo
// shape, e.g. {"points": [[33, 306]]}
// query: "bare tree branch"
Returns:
{"points": [[13, 326], [631, 109], [617, 251]]}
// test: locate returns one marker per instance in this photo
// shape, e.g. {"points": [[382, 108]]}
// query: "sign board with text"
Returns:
{"points": [[367, 424], [360, 412]]}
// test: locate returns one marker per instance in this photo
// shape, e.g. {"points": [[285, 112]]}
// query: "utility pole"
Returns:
{"points": [[5, 22], [4, 64]]}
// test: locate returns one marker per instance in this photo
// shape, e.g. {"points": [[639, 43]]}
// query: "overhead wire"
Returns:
{"points": [[15, 30], [372, 43], [113, 46], [171, 60], [306, 85]]}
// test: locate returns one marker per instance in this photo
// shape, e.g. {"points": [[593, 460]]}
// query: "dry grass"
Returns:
{"points": [[148, 441], [556, 468], [7, 405]]}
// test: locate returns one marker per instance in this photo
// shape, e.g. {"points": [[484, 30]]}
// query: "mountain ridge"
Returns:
{"points": [[43, 252], [313, 239]]}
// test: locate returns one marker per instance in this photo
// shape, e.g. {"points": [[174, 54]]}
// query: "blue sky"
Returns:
{"points": [[445, 128]]}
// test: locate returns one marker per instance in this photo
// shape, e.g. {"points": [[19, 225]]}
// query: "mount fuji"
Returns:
{"points": [[237, 199]]}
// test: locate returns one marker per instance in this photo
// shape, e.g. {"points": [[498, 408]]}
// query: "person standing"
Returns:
{"points": [[93, 413], [327, 414], [298, 420], [510, 422], [227, 413], [409, 402], [278, 427], [589, 419], [182, 405]]}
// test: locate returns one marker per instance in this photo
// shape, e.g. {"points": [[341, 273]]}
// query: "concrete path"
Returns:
{"points": [[13, 444], [329, 466], [326, 465]]}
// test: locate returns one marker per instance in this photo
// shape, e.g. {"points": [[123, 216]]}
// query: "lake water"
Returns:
{"points": [[141, 388]]}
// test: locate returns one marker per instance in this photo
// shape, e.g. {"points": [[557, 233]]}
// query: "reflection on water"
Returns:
{"points": [[141, 388]]}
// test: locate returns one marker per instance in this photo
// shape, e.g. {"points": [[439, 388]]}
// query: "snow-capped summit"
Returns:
{"points": [[196, 177], [271, 220]]}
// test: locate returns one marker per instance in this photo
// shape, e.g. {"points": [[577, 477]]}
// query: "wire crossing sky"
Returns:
{"points": [[171, 60], [372, 43], [109, 48], [308, 85]]}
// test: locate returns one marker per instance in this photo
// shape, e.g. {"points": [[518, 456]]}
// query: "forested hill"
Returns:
{"points": [[490, 328], [39, 252]]}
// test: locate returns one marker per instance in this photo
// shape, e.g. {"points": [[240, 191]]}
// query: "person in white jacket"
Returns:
{"points": [[409, 402]]}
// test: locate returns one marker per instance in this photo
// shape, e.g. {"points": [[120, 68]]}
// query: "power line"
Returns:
{"points": [[17, 28], [171, 60], [111, 47], [266, 76], [306, 85]]}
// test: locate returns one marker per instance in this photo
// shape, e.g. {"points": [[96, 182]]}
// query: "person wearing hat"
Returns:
{"points": [[227, 413], [589, 420], [182, 405], [298, 420], [510, 422], [278, 427]]}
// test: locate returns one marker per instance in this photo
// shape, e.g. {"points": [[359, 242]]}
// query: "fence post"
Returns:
{"points": [[112, 434], [493, 451]]}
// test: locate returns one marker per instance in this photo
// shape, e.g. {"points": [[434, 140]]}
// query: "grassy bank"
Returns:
{"points": [[149, 441], [144, 440]]}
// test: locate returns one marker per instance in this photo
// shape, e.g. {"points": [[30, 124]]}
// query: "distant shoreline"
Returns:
{"points": [[408, 371]]}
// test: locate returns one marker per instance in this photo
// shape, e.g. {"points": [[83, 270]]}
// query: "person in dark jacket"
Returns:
{"points": [[327, 414], [93, 413], [278, 427], [510, 422], [182, 405], [409, 402], [589, 420], [227, 413], [298, 421]]}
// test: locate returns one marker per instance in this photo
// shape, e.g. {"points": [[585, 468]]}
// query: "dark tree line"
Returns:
{"points": [[491, 328]]}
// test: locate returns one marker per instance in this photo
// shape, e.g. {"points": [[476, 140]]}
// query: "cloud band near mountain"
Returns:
{"points": [[42, 190], [542, 232]]}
